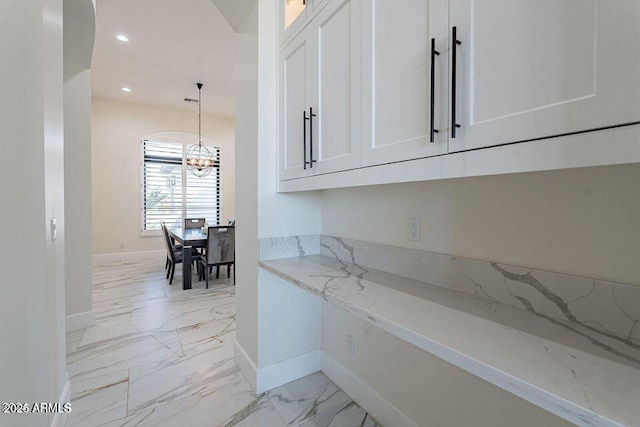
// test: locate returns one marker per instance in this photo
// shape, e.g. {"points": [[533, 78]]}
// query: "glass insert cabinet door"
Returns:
{"points": [[292, 10]]}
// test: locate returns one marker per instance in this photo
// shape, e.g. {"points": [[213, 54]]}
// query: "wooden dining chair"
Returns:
{"points": [[194, 222], [220, 250]]}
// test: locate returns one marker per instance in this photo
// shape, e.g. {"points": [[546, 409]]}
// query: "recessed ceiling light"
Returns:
{"points": [[126, 89], [122, 38]]}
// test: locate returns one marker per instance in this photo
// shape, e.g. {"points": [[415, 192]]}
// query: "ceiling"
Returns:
{"points": [[172, 45], [236, 11]]}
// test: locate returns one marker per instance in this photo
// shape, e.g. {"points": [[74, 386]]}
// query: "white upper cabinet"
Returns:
{"points": [[295, 14], [320, 94], [397, 84], [376, 82], [336, 96], [295, 88], [529, 69]]}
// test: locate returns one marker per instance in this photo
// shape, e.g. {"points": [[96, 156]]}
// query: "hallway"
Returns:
{"points": [[162, 356]]}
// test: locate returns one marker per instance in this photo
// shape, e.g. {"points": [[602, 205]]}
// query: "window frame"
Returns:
{"points": [[185, 139]]}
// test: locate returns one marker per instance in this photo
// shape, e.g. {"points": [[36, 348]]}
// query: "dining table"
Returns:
{"points": [[189, 238]]}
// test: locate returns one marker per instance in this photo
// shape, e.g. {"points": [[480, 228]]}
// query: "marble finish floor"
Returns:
{"points": [[161, 356]]}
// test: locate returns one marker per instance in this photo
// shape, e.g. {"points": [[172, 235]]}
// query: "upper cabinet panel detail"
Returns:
{"points": [[292, 10], [398, 93], [530, 69], [555, 53]]}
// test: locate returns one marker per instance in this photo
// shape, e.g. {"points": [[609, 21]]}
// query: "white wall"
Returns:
{"points": [[247, 190], [564, 221], [116, 129], [429, 390], [582, 222], [31, 166], [278, 214], [256, 169], [77, 176]]}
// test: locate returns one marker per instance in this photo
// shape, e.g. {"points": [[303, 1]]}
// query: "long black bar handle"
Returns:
{"points": [[456, 43], [434, 52], [311, 116], [304, 139]]}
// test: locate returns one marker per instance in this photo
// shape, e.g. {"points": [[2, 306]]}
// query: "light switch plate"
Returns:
{"points": [[54, 230]]}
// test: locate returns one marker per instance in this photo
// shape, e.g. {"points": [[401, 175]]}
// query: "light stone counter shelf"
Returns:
{"points": [[588, 378]]}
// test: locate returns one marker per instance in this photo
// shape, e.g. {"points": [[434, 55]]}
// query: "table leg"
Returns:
{"points": [[186, 267]]}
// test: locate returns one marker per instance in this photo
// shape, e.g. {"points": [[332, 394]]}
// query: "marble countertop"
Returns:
{"points": [[556, 365]]}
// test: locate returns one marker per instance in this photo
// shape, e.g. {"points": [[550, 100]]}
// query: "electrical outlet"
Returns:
{"points": [[351, 345], [413, 229]]}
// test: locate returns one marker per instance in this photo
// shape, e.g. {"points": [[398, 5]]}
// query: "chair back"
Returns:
{"points": [[221, 245], [194, 222], [171, 249]]}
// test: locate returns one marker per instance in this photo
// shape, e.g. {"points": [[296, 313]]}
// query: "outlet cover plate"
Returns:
{"points": [[413, 229], [351, 345]]}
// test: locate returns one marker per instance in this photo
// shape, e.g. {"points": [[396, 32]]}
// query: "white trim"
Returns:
{"points": [[60, 418], [128, 256], [370, 400], [247, 367], [270, 377], [599, 148], [75, 322], [288, 370]]}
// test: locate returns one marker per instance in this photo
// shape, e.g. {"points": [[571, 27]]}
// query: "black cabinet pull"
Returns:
{"points": [[304, 139], [311, 116], [456, 43], [434, 52]]}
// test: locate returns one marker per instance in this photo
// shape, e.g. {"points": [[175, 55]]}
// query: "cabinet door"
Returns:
{"points": [[293, 15], [528, 69], [294, 100], [396, 79], [319, 4], [336, 47]]}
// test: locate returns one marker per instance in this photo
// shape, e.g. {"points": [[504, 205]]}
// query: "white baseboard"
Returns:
{"points": [[128, 256], [370, 400], [288, 370], [247, 367], [270, 377], [60, 419], [75, 322]]}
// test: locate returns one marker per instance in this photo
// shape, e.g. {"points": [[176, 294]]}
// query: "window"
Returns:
{"points": [[166, 194]]}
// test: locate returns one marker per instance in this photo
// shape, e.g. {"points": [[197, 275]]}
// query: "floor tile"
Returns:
{"points": [[229, 405], [316, 401], [117, 355], [208, 335], [260, 413], [99, 400], [73, 340], [155, 384], [162, 356], [109, 329]]}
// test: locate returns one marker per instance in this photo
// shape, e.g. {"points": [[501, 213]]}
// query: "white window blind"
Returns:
{"points": [[167, 196]]}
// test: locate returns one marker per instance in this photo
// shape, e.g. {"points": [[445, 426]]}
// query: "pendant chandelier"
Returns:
{"points": [[200, 160]]}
